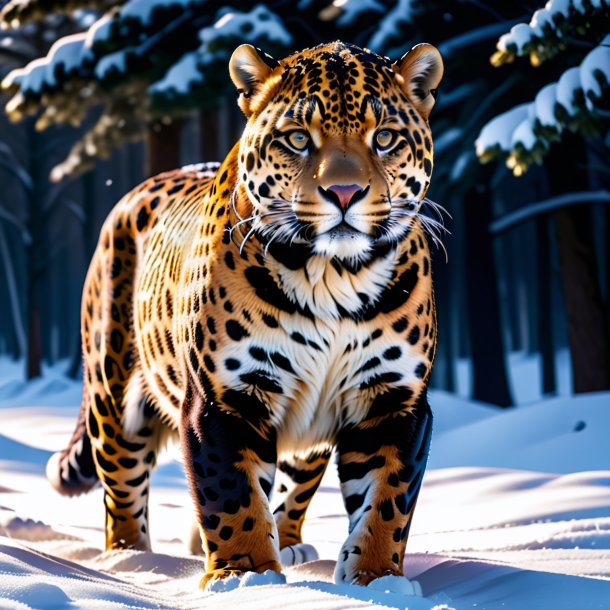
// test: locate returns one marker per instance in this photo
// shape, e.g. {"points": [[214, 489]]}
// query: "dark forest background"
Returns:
{"points": [[528, 265]]}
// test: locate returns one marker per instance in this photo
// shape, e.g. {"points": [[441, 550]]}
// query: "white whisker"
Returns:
{"points": [[432, 231], [273, 237], [243, 243], [439, 211], [241, 222], [233, 198], [437, 207], [410, 208]]}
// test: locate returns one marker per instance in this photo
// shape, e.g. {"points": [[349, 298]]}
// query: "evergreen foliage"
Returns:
{"points": [[550, 30], [147, 62], [577, 101], [122, 69], [16, 13]]}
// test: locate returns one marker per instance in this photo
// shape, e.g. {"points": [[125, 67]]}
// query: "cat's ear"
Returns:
{"points": [[422, 70], [250, 70]]}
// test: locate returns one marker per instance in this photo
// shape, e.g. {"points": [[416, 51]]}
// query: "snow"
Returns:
{"points": [[260, 22], [499, 131], [568, 85], [559, 7], [447, 138], [100, 31], [541, 20], [67, 55], [77, 52], [392, 24], [596, 62], [144, 10], [545, 105], [522, 35], [231, 28], [350, 10], [181, 76], [112, 63], [461, 164], [514, 513], [520, 124], [570, 429], [524, 135]]}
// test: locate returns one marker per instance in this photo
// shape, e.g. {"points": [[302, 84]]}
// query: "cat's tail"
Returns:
{"points": [[72, 471]]}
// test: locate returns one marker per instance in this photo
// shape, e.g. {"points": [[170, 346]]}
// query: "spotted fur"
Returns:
{"points": [[270, 310]]}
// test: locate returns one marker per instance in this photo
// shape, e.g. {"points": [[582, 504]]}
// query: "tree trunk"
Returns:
{"points": [[220, 128], [34, 352], [209, 136], [90, 232], [34, 253], [490, 383], [164, 147], [607, 263], [443, 376], [512, 299], [543, 300], [587, 319], [16, 322]]}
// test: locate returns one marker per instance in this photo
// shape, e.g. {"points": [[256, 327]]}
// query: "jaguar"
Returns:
{"points": [[272, 311]]}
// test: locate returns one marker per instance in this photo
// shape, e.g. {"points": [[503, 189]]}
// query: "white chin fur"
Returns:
{"points": [[351, 246]]}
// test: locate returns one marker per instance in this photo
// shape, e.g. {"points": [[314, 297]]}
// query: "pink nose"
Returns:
{"points": [[343, 194]]}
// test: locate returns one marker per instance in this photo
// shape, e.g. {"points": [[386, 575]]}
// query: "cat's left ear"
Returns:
{"points": [[422, 70], [250, 70]]}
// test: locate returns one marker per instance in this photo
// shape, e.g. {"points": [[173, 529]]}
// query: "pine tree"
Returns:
{"points": [[143, 64], [149, 62], [34, 202], [572, 37]]}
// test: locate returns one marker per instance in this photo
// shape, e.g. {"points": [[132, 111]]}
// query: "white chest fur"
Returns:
{"points": [[325, 373], [324, 288]]}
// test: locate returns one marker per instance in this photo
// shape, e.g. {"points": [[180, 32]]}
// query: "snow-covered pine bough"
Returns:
{"points": [[270, 310]]}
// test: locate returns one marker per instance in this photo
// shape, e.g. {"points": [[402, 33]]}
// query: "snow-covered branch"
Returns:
{"points": [[525, 133], [548, 31], [532, 210], [347, 12], [85, 67], [391, 26], [262, 28], [15, 13], [43, 75], [120, 122]]}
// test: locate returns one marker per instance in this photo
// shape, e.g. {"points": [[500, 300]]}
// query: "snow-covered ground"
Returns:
{"points": [[514, 513]]}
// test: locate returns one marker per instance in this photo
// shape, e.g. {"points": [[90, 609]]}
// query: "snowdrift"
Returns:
{"points": [[514, 513]]}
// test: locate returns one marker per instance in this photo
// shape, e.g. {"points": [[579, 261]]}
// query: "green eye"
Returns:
{"points": [[299, 140], [384, 139]]}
